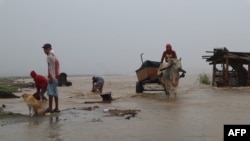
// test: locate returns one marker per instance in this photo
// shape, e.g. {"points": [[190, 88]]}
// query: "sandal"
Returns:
{"points": [[56, 111], [48, 111]]}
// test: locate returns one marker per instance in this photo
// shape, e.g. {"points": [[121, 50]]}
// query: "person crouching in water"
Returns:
{"points": [[97, 84], [41, 83]]}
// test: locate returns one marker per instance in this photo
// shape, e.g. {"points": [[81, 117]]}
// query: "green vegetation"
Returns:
{"points": [[10, 85], [7, 85], [204, 79], [7, 89]]}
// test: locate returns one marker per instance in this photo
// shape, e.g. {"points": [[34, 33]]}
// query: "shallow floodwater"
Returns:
{"points": [[198, 113]]}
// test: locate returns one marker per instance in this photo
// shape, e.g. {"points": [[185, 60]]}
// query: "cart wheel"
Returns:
{"points": [[139, 87]]}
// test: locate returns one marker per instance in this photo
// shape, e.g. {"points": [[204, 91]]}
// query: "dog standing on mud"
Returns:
{"points": [[33, 104]]}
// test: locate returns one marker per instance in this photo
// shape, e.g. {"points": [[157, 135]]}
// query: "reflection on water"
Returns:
{"points": [[44, 128], [54, 128]]}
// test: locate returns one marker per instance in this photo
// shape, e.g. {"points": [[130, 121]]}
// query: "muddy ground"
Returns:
{"points": [[198, 113]]}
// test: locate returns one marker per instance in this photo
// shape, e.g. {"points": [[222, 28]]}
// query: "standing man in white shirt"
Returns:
{"points": [[53, 75]]}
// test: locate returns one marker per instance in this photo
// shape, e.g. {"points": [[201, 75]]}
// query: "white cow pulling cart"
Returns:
{"points": [[168, 76]]}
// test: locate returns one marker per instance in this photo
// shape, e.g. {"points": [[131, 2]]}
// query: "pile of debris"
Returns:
{"points": [[121, 113]]}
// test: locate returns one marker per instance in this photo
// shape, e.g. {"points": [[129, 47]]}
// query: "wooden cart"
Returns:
{"points": [[147, 73]]}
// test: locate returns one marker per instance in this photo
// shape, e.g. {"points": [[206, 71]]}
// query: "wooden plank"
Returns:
{"points": [[232, 56]]}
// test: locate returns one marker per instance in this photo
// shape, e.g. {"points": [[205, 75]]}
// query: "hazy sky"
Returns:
{"points": [[107, 36]]}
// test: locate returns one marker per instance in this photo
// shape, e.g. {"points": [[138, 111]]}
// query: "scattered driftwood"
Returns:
{"points": [[91, 102], [89, 108], [117, 112]]}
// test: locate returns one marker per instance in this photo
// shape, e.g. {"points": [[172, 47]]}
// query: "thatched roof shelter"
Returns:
{"points": [[229, 68]]}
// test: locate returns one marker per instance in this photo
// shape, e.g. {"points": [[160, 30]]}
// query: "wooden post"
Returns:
{"points": [[214, 73], [226, 71]]}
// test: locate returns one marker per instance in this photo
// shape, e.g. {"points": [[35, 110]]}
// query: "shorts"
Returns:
{"points": [[52, 88]]}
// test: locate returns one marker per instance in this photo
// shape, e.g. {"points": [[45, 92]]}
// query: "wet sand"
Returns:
{"points": [[198, 113]]}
